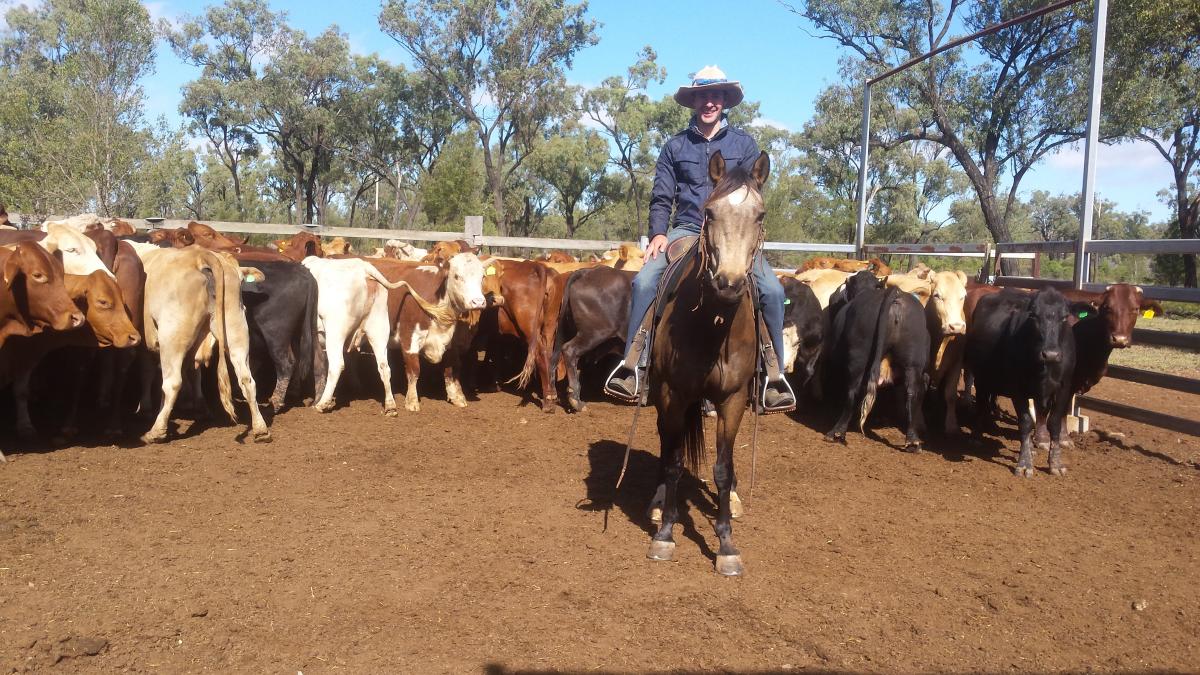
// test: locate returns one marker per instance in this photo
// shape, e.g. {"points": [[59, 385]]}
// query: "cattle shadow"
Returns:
{"points": [[501, 669], [637, 489]]}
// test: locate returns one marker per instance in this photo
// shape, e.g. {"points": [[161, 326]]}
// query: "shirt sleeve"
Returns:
{"points": [[662, 198]]}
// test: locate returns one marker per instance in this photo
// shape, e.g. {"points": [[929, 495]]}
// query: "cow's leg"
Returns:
{"points": [[572, 350], [949, 387], [856, 368], [1025, 423], [336, 359], [670, 434], [549, 395], [451, 365], [729, 418], [1041, 435], [21, 379], [412, 372], [113, 391], [378, 333], [239, 356], [285, 364], [70, 427], [148, 366], [1059, 438], [171, 364], [914, 391]]}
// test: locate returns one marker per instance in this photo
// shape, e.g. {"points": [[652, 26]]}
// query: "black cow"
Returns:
{"points": [[877, 332], [1022, 346], [594, 311], [281, 312], [803, 328]]}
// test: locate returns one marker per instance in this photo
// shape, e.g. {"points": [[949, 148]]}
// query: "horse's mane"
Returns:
{"points": [[731, 182]]}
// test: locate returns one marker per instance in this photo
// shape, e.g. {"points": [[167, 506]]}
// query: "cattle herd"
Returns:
{"points": [[180, 307]]}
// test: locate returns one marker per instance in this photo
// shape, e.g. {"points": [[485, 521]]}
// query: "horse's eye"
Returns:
{"points": [[708, 214]]}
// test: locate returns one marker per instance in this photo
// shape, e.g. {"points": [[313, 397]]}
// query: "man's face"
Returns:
{"points": [[708, 105]]}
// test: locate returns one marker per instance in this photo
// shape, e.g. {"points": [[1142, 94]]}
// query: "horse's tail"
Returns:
{"points": [[693, 437], [875, 364], [564, 319]]}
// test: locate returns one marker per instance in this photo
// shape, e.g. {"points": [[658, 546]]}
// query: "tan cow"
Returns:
{"points": [[947, 331], [824, 282], [336, 246], [628, 256], [918, 287], [184, 321]]}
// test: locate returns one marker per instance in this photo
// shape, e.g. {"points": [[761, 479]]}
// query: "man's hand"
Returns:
{"points": [[657, 245]]}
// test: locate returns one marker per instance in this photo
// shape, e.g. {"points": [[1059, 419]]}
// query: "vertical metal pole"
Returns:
{"points": [[1082, 270], [860, 231]]}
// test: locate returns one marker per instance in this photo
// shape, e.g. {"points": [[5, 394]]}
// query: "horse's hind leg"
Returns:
{"points": [[729, 418]]}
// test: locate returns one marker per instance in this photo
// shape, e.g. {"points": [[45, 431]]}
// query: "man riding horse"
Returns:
{"points": [[682, 182]]}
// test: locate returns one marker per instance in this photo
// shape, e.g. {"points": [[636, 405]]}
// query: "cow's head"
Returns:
{"points": [[105, 308], [35, 278], [859, 282], [78, 252], [464, 283], [949, 292], [1049, 313], [209, 238], [1119, 306]]}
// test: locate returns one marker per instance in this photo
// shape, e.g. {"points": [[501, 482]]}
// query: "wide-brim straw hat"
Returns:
{"points": [[707, 79]]}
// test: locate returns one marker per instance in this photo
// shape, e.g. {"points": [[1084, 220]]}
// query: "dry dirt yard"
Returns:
{"points": [[490, 539]]}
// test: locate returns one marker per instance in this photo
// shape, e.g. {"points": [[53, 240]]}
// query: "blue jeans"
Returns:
{"points": [[770, 292]]}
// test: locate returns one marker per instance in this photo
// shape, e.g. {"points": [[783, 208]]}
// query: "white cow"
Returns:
{"points": [[183, 320], [351, 298], [78, 250]]}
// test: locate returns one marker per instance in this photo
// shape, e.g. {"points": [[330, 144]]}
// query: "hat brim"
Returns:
{"points": [[684, 96]]}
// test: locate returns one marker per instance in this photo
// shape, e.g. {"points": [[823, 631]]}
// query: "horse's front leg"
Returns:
{"points": [[670, 435], [729, 418]]}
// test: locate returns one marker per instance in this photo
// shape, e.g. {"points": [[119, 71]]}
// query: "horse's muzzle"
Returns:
{"points": [[728, 289]]}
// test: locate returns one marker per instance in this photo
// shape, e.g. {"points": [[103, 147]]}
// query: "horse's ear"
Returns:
{"points": [[762, 168], [716, 167]]}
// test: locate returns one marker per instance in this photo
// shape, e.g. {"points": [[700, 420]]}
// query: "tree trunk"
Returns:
{"points": [[495, 180]]}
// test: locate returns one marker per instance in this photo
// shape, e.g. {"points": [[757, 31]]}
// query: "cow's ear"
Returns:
{"points": [[12, 269]]}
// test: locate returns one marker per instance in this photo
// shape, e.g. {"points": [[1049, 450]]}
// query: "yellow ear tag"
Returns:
{"points": [[1149, 314], [490, 271]]}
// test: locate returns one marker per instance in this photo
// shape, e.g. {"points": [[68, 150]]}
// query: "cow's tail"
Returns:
{"points": [[216, 267], [306, 349], [875, 364], [534, 339], [693, 437], [564, 319], [441, 312]]}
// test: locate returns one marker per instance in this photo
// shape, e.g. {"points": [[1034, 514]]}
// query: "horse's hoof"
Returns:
{"points": [[1024, 471], [736, 510], [661, 550], [730, 565], [263, 436], [1058, 470], [912, 447]]}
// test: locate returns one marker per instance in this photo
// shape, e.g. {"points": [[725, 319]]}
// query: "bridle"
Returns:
{"points": [[705, 273]]}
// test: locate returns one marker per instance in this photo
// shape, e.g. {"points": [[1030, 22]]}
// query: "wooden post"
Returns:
{"points": [[473, 230], [1037, 264]]}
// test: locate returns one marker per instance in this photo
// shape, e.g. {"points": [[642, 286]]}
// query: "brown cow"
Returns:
{"points": [[175, 238], [444, 250], [300, 246], [336, 246], [107, 324], [525, 285], [33, 295], [628, 256], [875, 265], [213, 240], [558, 257]]}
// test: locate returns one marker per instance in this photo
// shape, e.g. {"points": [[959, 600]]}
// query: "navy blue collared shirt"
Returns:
{"points": [[681, 176]]}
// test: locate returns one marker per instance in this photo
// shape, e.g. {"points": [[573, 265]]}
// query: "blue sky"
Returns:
{"points": [[770, 50]]}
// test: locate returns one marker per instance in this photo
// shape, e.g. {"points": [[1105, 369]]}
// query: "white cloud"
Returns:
{"points": [[1135, 156], [768, 122]]}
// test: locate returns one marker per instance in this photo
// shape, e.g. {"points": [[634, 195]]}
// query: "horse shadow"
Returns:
{"points": [[637, 489]]}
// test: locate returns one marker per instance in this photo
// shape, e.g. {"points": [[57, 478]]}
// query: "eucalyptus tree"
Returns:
{"points": [[999, 115], [572, 162], [1154, 62], [620, 108], [500, 64], [71, 72], [225, 43]]}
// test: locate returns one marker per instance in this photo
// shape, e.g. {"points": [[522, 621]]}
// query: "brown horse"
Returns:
{"points": [[705, 347]]}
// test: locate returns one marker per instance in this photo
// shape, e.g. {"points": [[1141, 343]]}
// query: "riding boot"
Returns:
{"points": [[777, 395], [626, 382]]}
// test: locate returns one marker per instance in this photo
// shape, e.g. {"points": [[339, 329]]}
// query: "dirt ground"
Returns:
{"points": [[490, 539]]}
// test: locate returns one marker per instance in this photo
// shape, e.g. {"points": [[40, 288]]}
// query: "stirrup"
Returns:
{"points": [[620, 396], [762, 398]]}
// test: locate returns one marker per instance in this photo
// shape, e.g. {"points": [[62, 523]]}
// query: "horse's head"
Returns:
{"points": [[733, 224]]}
